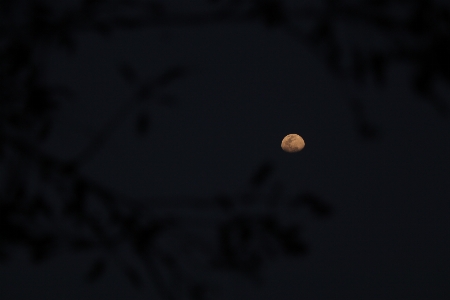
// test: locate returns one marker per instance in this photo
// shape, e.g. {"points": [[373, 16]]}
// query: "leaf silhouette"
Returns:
{"points": [[18, 55], [97, 269], [127, 72], [133, 276], [368, 131], [365, 129], [41, 248], [224, 202], [333, 56], [243, 229], [262, 174], [197, 292], [38, 205], [170, 75], [322, 31], [422, 82], [226, 248], [39, 101], [3, 255], [142, 124], [80, 190], [359, 67], [102, 28], [288, 238], [69, 169], [318, 207], [76, 205], [45, 130], [156, 9], [127, 23], [379, 67], [144, 91], [81, 244], [65, 39], [167, 100], [143, 237], [275, 193], [14, 233], [291, 243], [271, 11]]}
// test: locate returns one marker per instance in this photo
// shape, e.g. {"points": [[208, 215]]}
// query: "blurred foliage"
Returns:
{"points": [[246, 235]]}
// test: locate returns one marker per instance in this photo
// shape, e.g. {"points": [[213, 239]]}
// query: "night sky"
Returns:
{"points": [[244, 86]]}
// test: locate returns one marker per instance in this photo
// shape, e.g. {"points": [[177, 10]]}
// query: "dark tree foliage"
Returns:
{"points": [[245, 237]]}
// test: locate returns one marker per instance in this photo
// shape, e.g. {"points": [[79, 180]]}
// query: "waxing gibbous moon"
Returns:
{"points": [[292, 143]]}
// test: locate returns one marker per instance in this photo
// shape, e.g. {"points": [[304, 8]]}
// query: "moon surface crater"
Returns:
{"points": [[292, 143]]}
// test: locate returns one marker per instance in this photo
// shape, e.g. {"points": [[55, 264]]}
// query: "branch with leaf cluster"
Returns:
{"points": [[245, 231], [245, 237], [420, 38]]}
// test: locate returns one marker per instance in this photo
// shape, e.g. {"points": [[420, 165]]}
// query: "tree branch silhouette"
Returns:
{"points": [[144, 93], [247, 236], [140, 236]]}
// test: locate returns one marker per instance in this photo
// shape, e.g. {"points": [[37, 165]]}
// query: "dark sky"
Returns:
{"points": [[246, 87]]}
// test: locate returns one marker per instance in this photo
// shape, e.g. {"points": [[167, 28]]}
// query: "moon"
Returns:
{"points": [[292, 143]]}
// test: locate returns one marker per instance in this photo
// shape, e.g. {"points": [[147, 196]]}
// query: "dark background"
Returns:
{"points": [[140, 150]]}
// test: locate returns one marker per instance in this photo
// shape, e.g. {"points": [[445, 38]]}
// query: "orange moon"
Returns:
{"points": [[292, 143]]}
